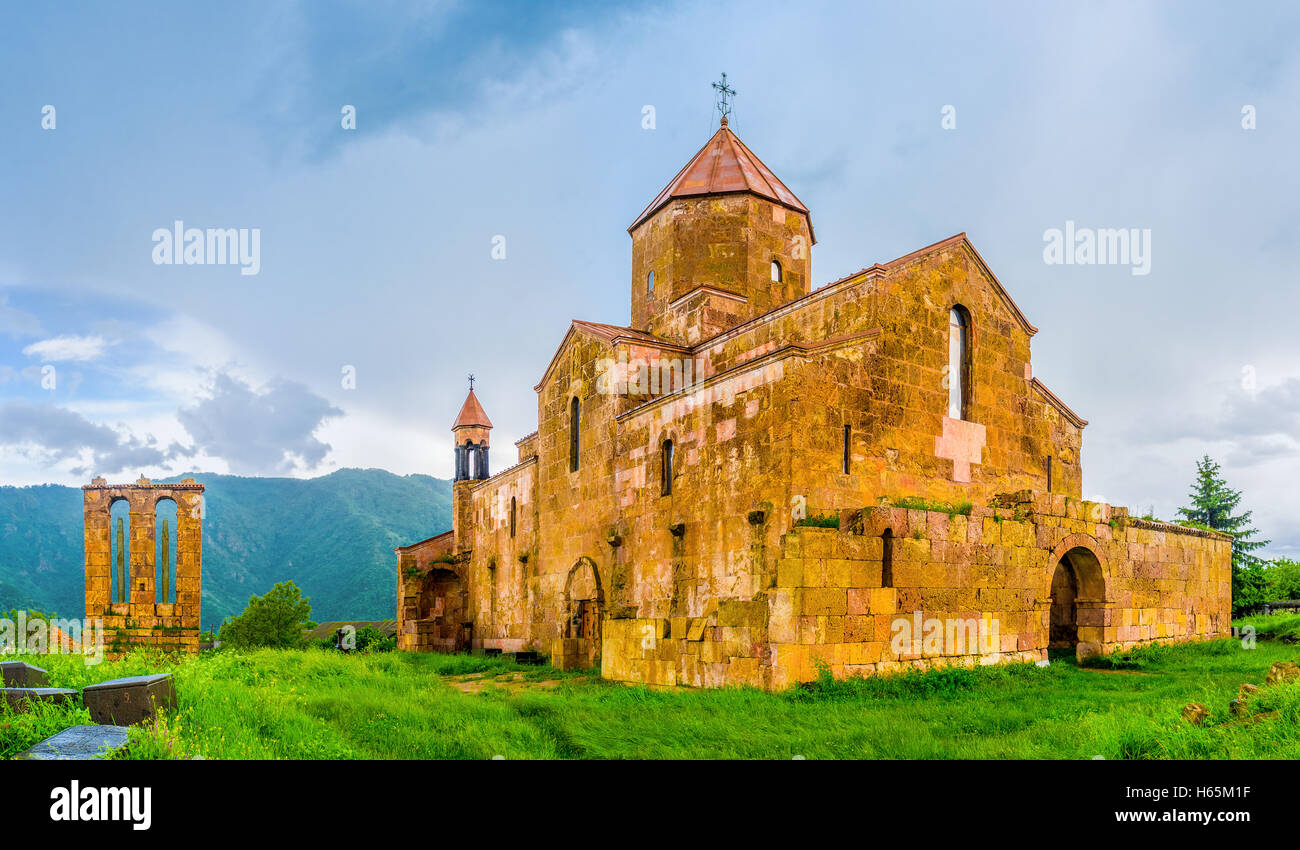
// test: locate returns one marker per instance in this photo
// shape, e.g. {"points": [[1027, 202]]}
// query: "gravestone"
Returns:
{"points": [[78, 743], [20, 674], [125, 702], [20, 699]]}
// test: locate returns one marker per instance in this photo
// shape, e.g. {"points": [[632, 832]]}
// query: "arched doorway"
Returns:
{"points": [[585, 605], [1078, 600], [1063, 623], [442, 611]]}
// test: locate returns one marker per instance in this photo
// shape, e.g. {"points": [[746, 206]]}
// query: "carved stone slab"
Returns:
{"points": [[20, 699], [20, 674], [125, 702], [78, 743]]}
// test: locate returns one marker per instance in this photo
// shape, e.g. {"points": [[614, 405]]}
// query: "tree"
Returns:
{"points": [[1282, 580], [1213, 503], [277, 619]]}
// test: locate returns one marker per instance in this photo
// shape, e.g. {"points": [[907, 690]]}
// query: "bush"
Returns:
{"points": [[370, 639], [277, 619]]}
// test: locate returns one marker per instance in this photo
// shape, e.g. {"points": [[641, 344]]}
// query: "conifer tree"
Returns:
{"points": [[1212, 506]]}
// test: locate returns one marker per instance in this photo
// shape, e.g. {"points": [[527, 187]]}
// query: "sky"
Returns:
{"points": [[379, 283]]}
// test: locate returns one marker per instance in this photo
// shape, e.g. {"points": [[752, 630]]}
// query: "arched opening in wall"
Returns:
{"points": [[958, 373], [1063, 623], [650, 282], [119, 564], [887, 558], [585, 603], [573, 435], [442, 606], [513, 515], [1078, 593], [776, 271], [164, 513]]}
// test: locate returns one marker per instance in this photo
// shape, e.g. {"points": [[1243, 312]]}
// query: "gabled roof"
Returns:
{"points": [[724, 165], [612, 334], [471, 414]]}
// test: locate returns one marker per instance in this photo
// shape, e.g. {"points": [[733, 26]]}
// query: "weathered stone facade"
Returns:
{"points": [[656, 522], [142, 619]]}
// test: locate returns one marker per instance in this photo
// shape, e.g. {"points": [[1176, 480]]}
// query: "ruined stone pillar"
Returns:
{"points": [[189, 554], [97, 544]]}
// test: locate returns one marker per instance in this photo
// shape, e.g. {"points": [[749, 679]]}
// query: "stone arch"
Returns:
{"points": [[584, 605], [1076, 596], [1089, 562], [442, 614], [120, 549], [166, 547]]}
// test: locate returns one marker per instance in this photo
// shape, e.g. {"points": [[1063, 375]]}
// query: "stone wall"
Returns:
{"points": [[965, 590], [143, 620]]}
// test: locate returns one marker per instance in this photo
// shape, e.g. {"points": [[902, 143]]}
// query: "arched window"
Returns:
{"points": [[165, 528], [887, 558], [573, 435], [119, 517], [776, 272], [650, 282], [848, 433], [512, 516], [666, 467], [958, 362]]}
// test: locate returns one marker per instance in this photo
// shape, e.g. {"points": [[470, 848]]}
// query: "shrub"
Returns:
{"points": [[277, 619]]}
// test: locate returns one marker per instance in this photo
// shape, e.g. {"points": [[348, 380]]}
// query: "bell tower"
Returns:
{"points": [[470, 434], [724, 241]]}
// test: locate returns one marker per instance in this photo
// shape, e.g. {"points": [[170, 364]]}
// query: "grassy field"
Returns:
{"points": [[317, 704]]}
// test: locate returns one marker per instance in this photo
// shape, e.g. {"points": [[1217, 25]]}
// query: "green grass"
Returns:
{"points": [[316, 704], [917, 504], [1284, 627], [820, 521]]}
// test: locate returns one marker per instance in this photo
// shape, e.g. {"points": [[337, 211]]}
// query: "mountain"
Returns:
{"points": [[333, 536]]}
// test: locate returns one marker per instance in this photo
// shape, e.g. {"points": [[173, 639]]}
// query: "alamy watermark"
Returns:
{"points": [[653, 377], [52, 636], [932, 637], [1087, 246], [215, 246]]}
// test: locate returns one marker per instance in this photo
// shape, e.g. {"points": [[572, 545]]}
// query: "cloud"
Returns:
{"points": [[1254, 426], [15, 322], [62, 435], [63, 348], [259, 431]]}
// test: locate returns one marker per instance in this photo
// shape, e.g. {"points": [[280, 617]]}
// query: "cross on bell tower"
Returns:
{"points": [[725, 92]]}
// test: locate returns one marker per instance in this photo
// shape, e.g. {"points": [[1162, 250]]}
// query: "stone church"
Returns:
{"points": [[754, 479]]}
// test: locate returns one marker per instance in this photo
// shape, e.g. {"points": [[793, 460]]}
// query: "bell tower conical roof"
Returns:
{"points": [[472, 414]]}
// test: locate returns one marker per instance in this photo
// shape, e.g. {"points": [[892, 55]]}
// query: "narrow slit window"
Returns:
{"points": [[512, 516], [666, 469], [573, 435], [848, 434], [887, 558], [958, 362], [776, 271], [650, 282]]}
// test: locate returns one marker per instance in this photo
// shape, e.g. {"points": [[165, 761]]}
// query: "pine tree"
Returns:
{"points": [[1213, 503]]}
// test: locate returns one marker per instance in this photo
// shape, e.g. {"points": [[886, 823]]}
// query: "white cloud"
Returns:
{"points": [[15, 322], [65, 348]]}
